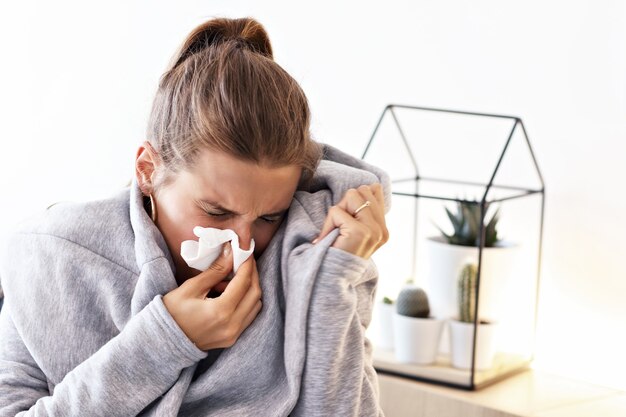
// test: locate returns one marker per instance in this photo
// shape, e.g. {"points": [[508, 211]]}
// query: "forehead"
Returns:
{"points": [[239, 185]]}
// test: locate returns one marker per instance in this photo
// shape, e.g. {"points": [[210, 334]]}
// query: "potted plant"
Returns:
{"points": [[386, 309], [462, 327], [416, 332], [449, 252]]}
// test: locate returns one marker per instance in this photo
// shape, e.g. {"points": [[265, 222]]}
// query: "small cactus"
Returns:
{"points": [[467, 293], [387, 300], [413, 302]]}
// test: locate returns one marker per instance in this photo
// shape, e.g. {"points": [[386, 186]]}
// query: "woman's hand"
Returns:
{"points": [[363, 233], [217, 322]]}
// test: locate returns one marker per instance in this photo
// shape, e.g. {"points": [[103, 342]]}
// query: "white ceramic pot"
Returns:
{"points": [[416, 339], [445, 262], [461, 342], [385, 325]]}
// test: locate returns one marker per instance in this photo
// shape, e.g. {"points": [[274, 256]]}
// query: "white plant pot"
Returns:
{"points": [[445, 262], [443, 266], [461, 342], [385, 325], [416, 339]]}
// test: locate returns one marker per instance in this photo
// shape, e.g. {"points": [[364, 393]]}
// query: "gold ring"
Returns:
{"points": [[366, 204]]}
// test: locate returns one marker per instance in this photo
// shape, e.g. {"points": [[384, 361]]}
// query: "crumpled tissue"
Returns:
{"points": [[200, 254]]}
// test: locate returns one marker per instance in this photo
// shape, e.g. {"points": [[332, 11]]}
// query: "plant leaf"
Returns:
{"points": [[491, 232], [448, 237], [456, 222], [473, 220]]}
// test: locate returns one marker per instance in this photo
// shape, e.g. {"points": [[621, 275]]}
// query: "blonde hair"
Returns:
{"points": [[224, 91]]}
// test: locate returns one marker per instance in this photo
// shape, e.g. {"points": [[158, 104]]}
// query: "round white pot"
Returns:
{"points": [[416, 339], [443, 265], [461, 342], [385, 325]]}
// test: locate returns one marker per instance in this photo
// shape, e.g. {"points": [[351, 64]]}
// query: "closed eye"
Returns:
{"points": [[266, 219], [270, 220]]}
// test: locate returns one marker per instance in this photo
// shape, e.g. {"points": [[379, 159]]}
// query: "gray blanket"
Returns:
{"points": [[84, 332]]}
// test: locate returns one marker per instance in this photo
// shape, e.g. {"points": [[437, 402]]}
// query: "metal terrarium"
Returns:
{"points": [[465, 225]]}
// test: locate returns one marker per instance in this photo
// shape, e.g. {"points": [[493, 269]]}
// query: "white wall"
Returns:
{"points": [[77, 80]]}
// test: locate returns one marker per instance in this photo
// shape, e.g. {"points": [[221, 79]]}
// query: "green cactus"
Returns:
{"points": [[466, 224], [387, 300], [413, 302], [467, 292]]}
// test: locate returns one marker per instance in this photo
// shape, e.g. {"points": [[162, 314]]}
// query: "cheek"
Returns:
{"points": [[263, 236], [177, 220]]}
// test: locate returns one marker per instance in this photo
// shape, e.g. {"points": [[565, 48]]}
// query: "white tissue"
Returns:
{"points": [[200, 254]]}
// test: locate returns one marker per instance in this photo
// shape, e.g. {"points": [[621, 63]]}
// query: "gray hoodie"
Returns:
{"points": [[84, 331]]}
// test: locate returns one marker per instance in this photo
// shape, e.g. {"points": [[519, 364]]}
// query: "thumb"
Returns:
{"points": [[201, 284]]}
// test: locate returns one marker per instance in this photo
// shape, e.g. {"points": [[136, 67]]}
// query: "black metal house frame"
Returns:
{"points": [[521, 192]]}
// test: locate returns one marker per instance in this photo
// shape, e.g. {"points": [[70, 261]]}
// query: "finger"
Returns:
{"points": [[335, 217], [353, 199], [372, 217], [250, 298], [238, 286], [374, 209], [330, 222], [374, 194], [200, 285], [354, 235], [250, 317], [253, 313], [220, 286], [368, 215], [377, 189]]}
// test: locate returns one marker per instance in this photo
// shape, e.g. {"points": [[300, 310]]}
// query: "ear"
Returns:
{"points": [[145, 167]]}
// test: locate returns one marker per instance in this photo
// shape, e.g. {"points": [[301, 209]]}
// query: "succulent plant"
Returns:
{"points": [[467, 292], [413, 302], [387, 300], [466, 223]]}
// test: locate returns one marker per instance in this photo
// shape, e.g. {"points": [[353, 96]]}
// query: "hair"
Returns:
{"points": [[223, 91]]}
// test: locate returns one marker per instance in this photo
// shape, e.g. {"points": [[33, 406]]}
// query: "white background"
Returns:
{"points": [[77, 80]]}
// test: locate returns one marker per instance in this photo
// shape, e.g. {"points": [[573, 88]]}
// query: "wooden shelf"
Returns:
{"points": [[505, 364]]}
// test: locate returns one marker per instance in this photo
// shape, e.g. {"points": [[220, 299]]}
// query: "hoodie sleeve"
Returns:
{"points": [[120, 379], [61, 350], [339, 377]]}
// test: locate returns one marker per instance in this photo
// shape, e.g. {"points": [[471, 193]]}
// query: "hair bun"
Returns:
{"points": [[246, 31]]}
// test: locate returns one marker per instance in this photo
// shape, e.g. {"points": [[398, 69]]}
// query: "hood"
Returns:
{"points": [[339, 171]]}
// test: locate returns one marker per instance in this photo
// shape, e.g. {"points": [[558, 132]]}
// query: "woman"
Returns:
{"points": [[102, 314]]}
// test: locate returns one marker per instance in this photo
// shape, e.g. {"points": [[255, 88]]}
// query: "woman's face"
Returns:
{"points": [[226, 193]]}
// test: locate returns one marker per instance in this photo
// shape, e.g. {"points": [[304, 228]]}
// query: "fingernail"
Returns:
{"points": [[226, 250], [315, 240]]}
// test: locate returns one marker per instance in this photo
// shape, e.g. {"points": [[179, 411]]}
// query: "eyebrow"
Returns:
{"points": [[224, 209]]}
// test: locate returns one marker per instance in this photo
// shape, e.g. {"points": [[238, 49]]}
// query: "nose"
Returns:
{"points": [[244, 233]]}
